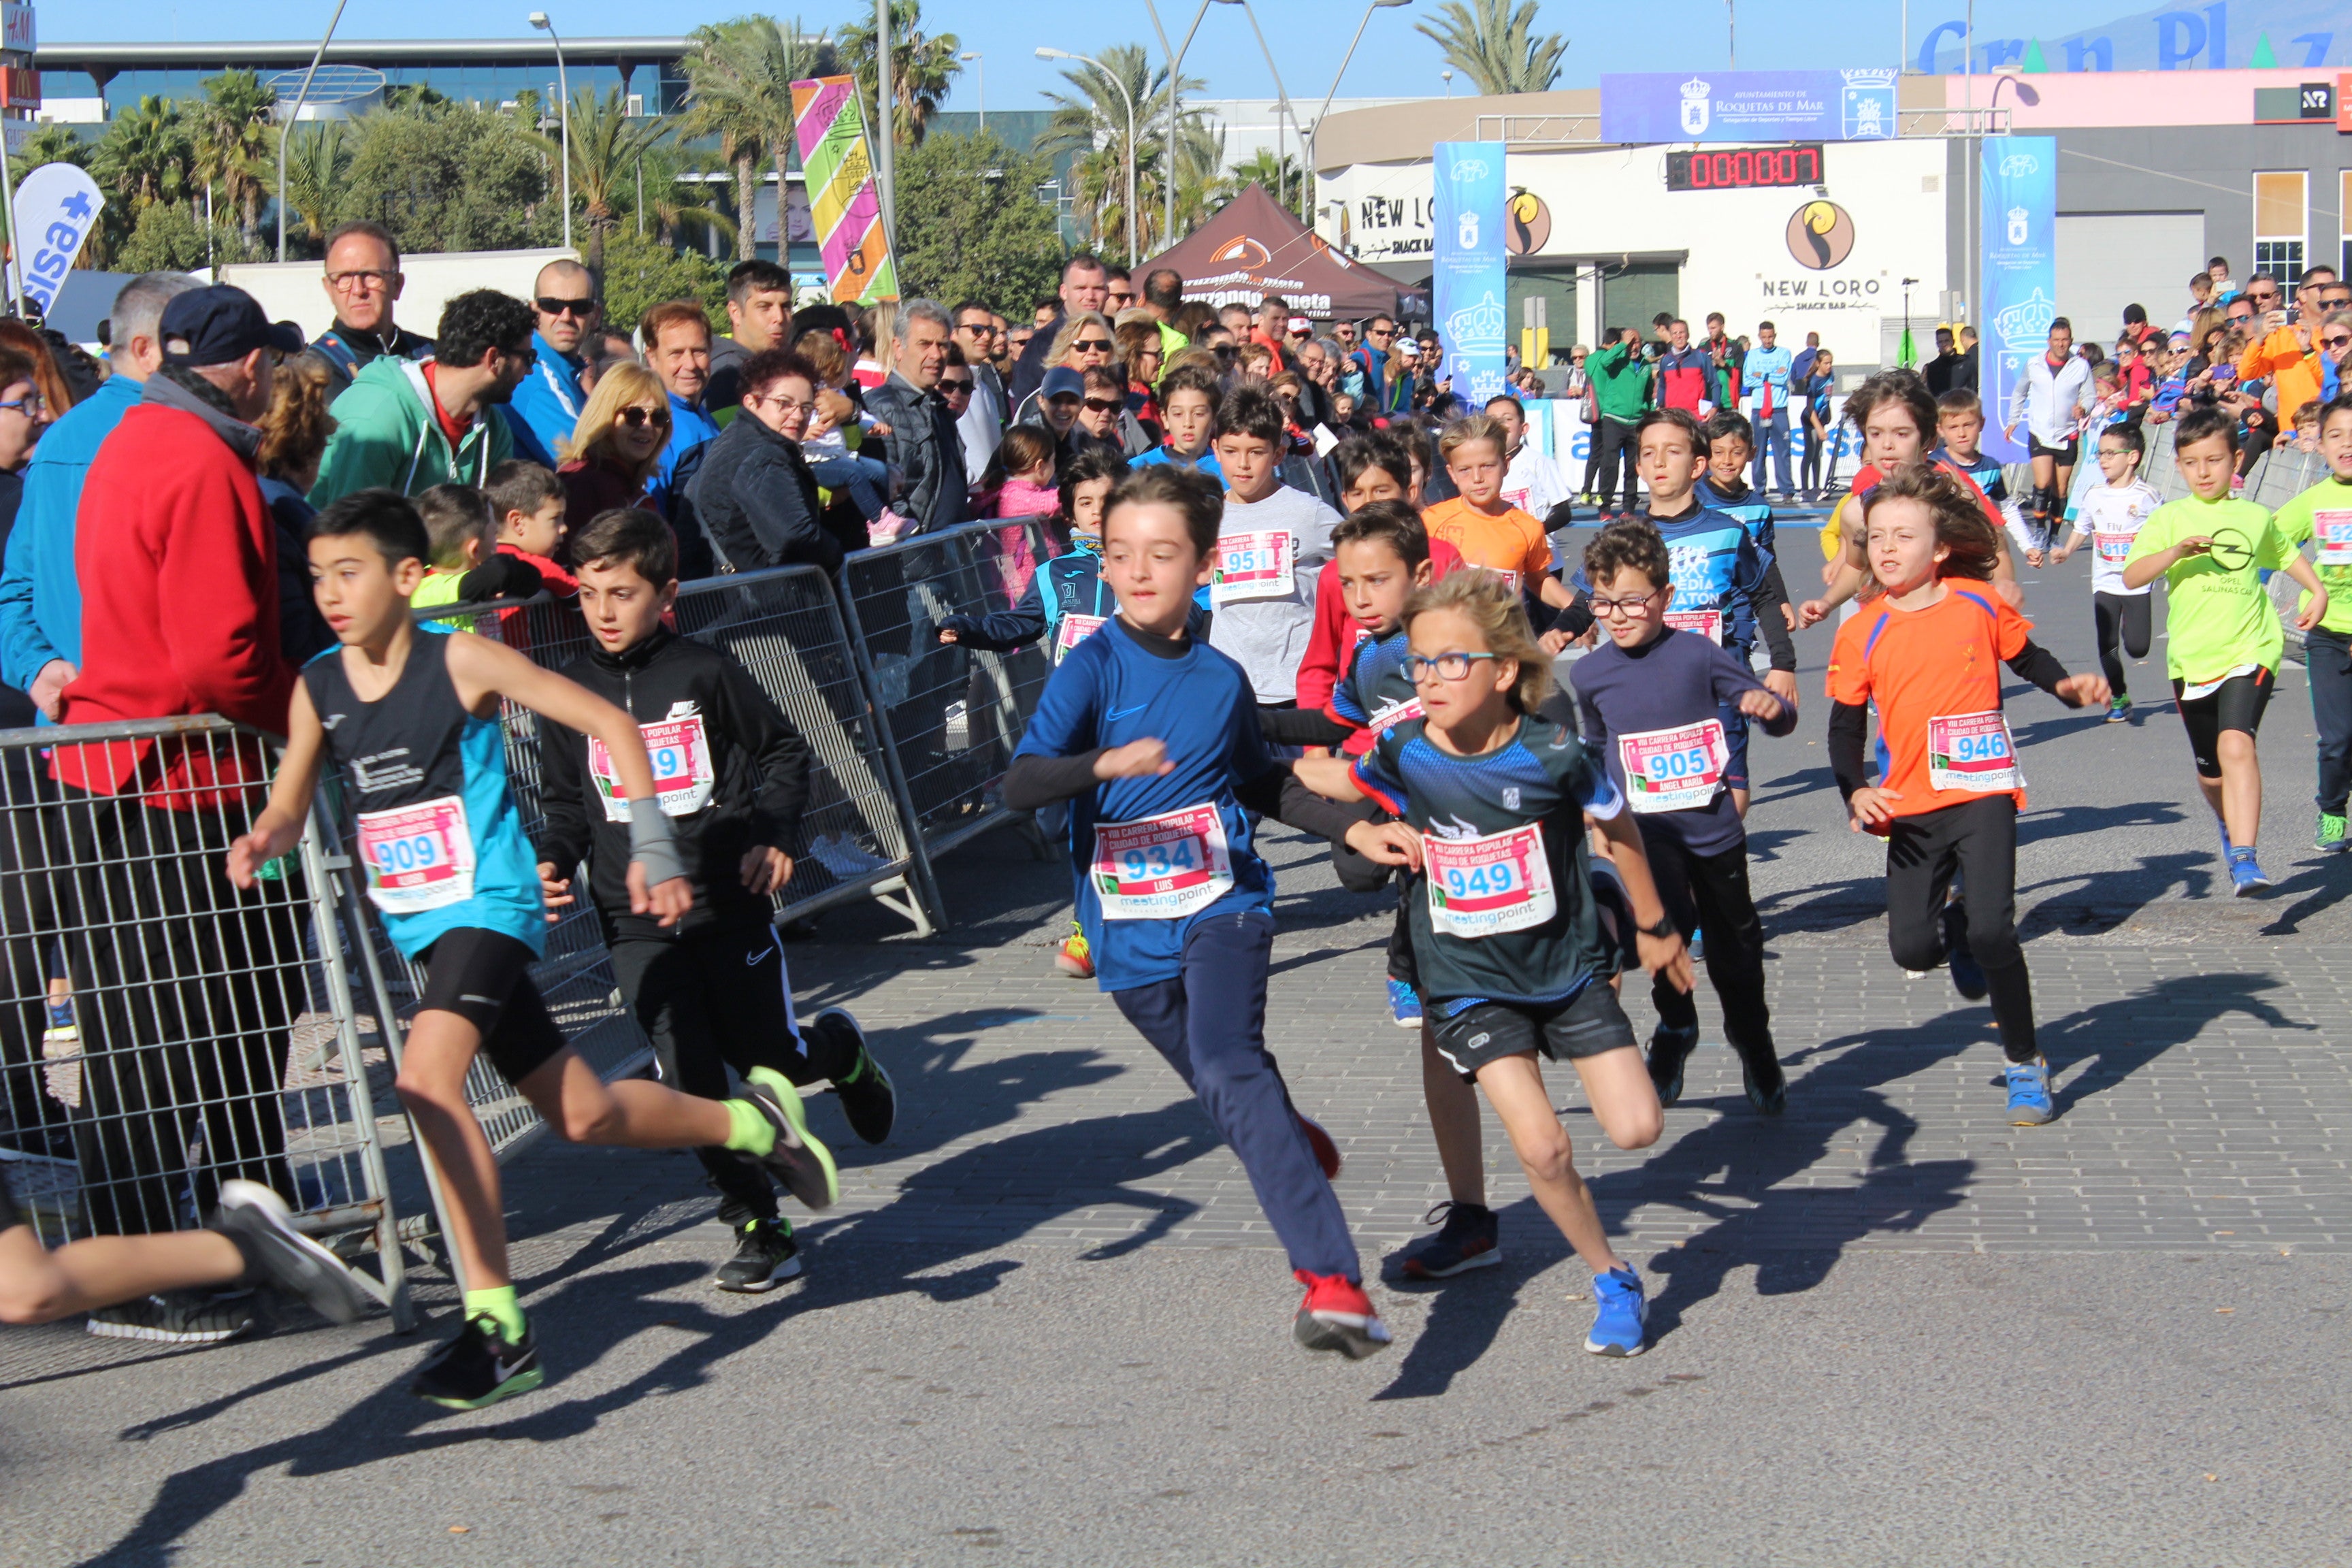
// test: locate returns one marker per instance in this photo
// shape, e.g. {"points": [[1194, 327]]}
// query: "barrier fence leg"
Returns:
{"points": [[317, 866], [925, 885]]}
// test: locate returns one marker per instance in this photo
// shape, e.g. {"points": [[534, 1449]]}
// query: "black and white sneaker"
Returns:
{"points": [[480, 1367], [258, 1220], [765, 1256], [867, 1096], [176, 1318]]}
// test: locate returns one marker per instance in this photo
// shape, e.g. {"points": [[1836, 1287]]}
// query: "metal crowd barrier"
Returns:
{"points": [[162, 1032]]}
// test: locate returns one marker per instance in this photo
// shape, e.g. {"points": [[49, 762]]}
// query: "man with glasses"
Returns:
{"points": [[2280, 343], [409, 426], [759, 317], [1119, 292], [1379, 337], [364, 282], [974, 391], [546, 407], [1086, 285]]}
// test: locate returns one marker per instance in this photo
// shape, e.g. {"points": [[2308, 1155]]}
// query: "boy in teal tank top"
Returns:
{"points": [[409, 717]]}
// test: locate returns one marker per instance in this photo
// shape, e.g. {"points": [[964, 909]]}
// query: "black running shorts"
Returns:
{"points": [[2236, 704], [484, 977], [1586, 1024], [2064, 451]]}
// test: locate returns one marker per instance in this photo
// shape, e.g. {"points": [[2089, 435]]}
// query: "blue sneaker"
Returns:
{"points": [[1622, 1308], [2030, 1104], [1968, 974], [2246, 877], [1404, 1005]]}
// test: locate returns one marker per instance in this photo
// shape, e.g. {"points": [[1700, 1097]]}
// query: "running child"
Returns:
{"points": [[1271, 545], [1718, 577], [1927, 652], [2111, 515], [408, 716], [1960, 434], [249, 1241], [1505, 937], [1153, 739], [711, 990], [2322, 515], [1724, 488], [1188, 400], [1650, 703], [2222, 636], [1488, 530], [1066, 603]]}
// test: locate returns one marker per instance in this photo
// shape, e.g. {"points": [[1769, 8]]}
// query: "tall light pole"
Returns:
{"points": [[1282, 108], [979, 63], [1306, 197], [1175, 78], [886, 113], [292, 115], [1133, 256], [563, 119], [1731, 34]]}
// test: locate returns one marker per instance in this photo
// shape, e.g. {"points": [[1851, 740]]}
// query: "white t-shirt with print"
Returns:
{"points": [[2111, 519]]}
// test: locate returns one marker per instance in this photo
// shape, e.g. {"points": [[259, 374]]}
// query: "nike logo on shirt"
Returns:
{"points": [[1125, 712], [752, 959]]}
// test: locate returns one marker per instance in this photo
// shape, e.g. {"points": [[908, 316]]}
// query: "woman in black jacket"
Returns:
{"points": [[754, 498]]}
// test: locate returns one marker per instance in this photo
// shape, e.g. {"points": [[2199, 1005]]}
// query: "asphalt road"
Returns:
{"points": [[1047, 1322]]}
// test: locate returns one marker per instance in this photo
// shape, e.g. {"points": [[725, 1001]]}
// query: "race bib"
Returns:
{"points": [[1673, 770], [1161, 867], [1483, 887], [1972, 751], [2333, 529], [1707, 623], [1389, 715], [418, 858], [1510, 579], [1074, 630], [683, 779], [1254, 567], [2111, 549], [2191, 691]]}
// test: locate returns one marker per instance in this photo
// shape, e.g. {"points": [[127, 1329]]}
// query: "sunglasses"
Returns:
{"points": [[1105, 404], [1093, 345], [2335, 341], [549, 305], [638, 419], [949, 385]]}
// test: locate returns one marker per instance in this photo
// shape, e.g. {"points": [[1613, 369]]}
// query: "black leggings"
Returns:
{"points": [[2124, 625], [1709, 893], [1978, 840], [2236, 704]]}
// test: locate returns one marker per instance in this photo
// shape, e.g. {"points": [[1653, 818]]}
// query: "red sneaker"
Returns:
{"points": [[1337, 1316], [1327, 1152]]}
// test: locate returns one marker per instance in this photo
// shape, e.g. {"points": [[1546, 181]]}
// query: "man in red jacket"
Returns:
{"points": [[185, 1027]]}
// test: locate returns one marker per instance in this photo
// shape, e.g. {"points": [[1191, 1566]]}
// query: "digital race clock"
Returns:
{"points": [[1745, 168]]}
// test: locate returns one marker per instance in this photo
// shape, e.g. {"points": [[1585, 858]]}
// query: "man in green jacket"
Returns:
{"points": [[408, 427], [1621, 391]]}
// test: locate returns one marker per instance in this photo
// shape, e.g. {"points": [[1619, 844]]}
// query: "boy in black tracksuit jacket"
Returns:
{"points": [[711, 991]]}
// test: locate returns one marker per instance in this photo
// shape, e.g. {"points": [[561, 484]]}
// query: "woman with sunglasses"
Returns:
{"points": [[616, 448], [1084, 340], [1140, 353]]}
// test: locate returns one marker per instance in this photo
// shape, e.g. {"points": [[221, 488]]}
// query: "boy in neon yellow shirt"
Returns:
{"points": [[2323, 515], [2223, 637]]}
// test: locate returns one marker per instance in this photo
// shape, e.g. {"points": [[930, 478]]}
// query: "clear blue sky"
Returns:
{"points": [[1395, 60]]}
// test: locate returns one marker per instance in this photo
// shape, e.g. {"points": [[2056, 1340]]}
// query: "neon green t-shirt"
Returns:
{"points": [[2324, 514], [2217, 618]]}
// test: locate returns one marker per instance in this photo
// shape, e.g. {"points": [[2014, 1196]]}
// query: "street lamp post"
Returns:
{"points": [[1133, 256], [292, 115], [1304, 197], [1175, 78], [1282, 108], [564, 117], [980, 64], [885, 133]]}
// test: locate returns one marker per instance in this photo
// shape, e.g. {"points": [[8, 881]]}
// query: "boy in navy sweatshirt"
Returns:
{"points": [[1651, 700]]}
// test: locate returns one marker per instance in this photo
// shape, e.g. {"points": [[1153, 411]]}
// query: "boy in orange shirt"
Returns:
{"points": [[1928, 653], [1488, 531]]}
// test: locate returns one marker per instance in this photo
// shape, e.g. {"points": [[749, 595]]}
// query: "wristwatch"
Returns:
{"points": [[1666, 927]]}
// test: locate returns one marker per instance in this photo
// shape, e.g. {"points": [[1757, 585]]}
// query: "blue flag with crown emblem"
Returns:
{"points": [[1470, 282]]}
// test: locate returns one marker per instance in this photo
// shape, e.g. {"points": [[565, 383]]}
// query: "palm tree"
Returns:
{"points": [[740, 89], [50, 143], [605, 146], [234, 142], [146, 154], [1260, 168], [1090, 123], [316, 161], [1495, 47], [922, 68], [674, 185]]}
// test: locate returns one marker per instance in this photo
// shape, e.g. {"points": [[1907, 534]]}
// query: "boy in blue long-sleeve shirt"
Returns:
{"points": [[1653, 702]]}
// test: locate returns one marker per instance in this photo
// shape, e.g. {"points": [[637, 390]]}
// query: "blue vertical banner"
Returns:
{"points": [[1470, 282], [2020, 238]]}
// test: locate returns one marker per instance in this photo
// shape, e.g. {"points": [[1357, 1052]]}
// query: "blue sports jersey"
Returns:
{"points": [[1108, 691], [1373, 685], [1984, 472], [1716, 566], [1748, 506]]}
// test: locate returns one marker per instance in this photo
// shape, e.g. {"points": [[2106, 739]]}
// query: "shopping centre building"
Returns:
{"points": [[2157, 171]]}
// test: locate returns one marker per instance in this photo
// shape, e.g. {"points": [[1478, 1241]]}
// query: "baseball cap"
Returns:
{"points": [[1063, 382], [1299, 324], [220, 325]]}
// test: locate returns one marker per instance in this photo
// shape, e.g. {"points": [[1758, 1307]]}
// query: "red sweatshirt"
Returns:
{"points": [[178, 560], [1333, 635]]}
